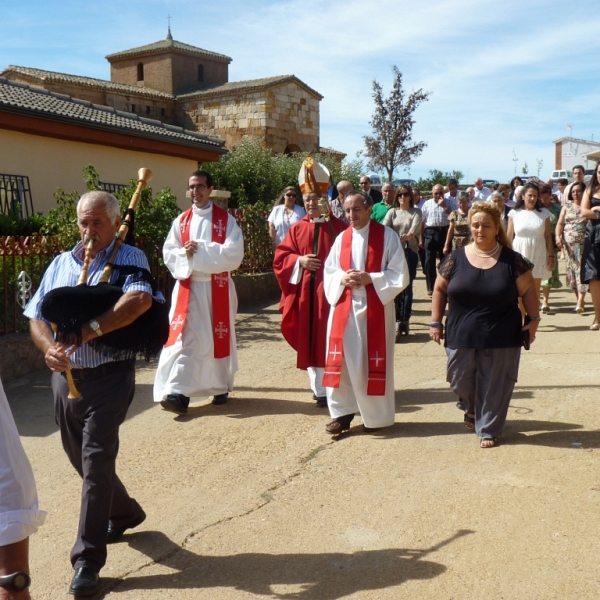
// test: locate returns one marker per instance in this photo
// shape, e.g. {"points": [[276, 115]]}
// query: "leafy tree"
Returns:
{"points": [[438, 177], [525, 169], [254, 174], [391, 144]]}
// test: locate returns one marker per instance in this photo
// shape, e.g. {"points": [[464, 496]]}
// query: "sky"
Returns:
{"points": [[506, 77]]}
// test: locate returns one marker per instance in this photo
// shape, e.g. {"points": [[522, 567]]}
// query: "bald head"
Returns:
{"points": [[479, 183], [344, 187]]}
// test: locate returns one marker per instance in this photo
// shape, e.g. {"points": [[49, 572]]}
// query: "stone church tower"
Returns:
{"points": [[189, 87]]}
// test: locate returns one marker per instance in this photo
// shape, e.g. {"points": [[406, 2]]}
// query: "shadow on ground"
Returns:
{"points": [[324, 576]]}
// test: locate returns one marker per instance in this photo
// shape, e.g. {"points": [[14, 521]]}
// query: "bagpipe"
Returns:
{"points": [[69, 308]]}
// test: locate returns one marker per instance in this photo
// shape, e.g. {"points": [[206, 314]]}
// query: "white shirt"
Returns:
{"points": [[482, 194], [283, 222], [19, 512]]}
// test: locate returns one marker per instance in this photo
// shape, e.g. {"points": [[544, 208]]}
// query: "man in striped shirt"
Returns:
{"points": [[89, 425]]}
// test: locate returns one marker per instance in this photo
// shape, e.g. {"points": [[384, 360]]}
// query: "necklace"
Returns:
{"points": [[288, 215], [484, 253]]}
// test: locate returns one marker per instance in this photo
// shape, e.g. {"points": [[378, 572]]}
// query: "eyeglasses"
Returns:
{"points": [[402, 194], [290, 195], [198, 186]]}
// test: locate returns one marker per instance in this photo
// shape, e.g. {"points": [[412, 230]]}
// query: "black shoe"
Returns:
{"points": [[339, 424], [115, 533], [85, 582], [177, 403], [220, 398], [320, 400]]}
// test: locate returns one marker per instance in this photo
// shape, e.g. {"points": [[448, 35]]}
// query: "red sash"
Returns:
{"points": [[376, 348], [219, 288]]}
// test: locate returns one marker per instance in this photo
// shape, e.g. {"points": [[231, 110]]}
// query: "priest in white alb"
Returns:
{"points": [[364, 272], [200, 357]]}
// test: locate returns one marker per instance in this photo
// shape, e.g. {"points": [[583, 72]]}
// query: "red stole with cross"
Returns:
{"points": [[219, 288], [376, 350]]}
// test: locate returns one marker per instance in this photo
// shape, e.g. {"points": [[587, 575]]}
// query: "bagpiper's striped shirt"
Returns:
{"points": [[65, 270]]}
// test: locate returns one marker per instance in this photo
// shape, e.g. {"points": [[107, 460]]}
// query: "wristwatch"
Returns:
{"points": [[96, 327], [18, 581]]}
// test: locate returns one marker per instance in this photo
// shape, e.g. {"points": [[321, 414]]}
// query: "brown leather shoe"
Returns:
{"points": [[339, 424]]}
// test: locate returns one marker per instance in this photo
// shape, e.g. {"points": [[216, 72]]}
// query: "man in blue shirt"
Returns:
{"points": [[89, 425]]}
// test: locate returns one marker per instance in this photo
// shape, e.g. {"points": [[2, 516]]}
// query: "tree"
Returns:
{"points": [[438, 177], [391, 144], [525, 168]]}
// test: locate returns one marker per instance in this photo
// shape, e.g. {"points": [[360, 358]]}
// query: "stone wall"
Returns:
{"points": [[281, 116], [19, 356]]}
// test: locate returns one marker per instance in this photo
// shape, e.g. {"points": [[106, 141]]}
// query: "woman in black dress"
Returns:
{"points": [[482, 283], [590, 261]]}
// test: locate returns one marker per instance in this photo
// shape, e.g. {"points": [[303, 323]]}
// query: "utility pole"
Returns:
{"points": [[515, 160]]}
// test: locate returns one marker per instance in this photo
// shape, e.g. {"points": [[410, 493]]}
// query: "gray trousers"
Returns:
{"points": [[484, 380], [89, 429]]}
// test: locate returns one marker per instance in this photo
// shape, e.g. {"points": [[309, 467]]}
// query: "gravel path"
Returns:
{"points": [[254, 500]]}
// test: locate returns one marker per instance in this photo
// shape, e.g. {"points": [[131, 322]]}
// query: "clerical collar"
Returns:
{"points": [[318, 220], [203, 210], [364, 229]]}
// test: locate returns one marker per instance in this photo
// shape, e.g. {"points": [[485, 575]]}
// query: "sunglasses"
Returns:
{"points": [[402, 194], [291, 195]]}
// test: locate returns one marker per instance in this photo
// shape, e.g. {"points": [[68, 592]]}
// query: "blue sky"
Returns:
{"points": [[504, 74]]}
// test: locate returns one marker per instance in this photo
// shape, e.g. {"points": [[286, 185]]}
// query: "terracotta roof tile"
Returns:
{"points": [[249, 85], [168, 44], [23, 99], [90, 82]]}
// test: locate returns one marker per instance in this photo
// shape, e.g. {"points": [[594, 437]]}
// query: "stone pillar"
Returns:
{"points": [[220, 198]]}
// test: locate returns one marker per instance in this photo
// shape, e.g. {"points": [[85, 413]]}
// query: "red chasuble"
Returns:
{"points": [[219, 288], [308, 338], [376, 347]]}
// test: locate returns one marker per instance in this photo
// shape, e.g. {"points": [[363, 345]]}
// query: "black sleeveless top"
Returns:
{"points": [[483, 310]]}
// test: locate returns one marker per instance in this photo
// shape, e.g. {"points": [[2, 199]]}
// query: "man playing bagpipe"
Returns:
{"points": [[105, 383]]}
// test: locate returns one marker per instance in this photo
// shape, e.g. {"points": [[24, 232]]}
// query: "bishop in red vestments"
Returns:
{"points": [[298, 265]]}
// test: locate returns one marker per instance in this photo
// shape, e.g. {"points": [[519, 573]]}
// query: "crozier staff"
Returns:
{"points": [[482, 283], [89, 425]]}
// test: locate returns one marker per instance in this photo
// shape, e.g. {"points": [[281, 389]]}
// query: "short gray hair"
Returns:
{"points": [[366, 199], [103, 199], [462, 196], [498, 194]]}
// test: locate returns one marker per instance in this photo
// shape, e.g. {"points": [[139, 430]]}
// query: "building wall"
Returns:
{"points": [[281, 116], [573, 152], [52, 164], [172, 72]]}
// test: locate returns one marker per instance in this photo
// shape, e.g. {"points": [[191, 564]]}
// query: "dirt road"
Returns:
{"points": [[253, 499]]}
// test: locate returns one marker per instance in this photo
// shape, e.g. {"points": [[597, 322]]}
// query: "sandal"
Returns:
{"points": [[469, 421], [595, 326], [545, 309], [488, 441]]}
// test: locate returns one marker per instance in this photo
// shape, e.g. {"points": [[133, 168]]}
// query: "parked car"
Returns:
{"points": [[588, 175], [397, 182], [375, 180], [490, 182], [561, 174]]}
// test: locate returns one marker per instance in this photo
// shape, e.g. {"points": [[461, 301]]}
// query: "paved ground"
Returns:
{"points": [[254, 500]]}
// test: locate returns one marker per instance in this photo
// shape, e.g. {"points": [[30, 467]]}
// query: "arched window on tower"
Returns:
{"points": [[201, 73], [140, 71]]}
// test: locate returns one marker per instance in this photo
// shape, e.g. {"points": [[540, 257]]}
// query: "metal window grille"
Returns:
{"points": [[15, 196], [112, 188]]}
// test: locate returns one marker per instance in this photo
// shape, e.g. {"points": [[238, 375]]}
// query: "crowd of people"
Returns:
{"points": [[346, 261]]}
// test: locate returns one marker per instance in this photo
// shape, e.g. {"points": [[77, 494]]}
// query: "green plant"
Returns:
{"points": [[438, 177], [255, 174]]}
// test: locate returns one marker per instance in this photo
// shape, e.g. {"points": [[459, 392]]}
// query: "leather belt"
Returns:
{"points": [[109, 368]]}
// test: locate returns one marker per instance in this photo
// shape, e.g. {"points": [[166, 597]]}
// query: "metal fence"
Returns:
{"points": [[23, 261], [15, 195]]}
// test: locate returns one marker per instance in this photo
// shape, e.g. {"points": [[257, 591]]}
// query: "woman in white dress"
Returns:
{"points": [[530, 233], [284, 214]]}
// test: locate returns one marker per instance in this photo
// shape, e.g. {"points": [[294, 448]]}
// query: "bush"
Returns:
{"points": [[254, 174], [437, 177], [153, 216], [13, 225]]}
